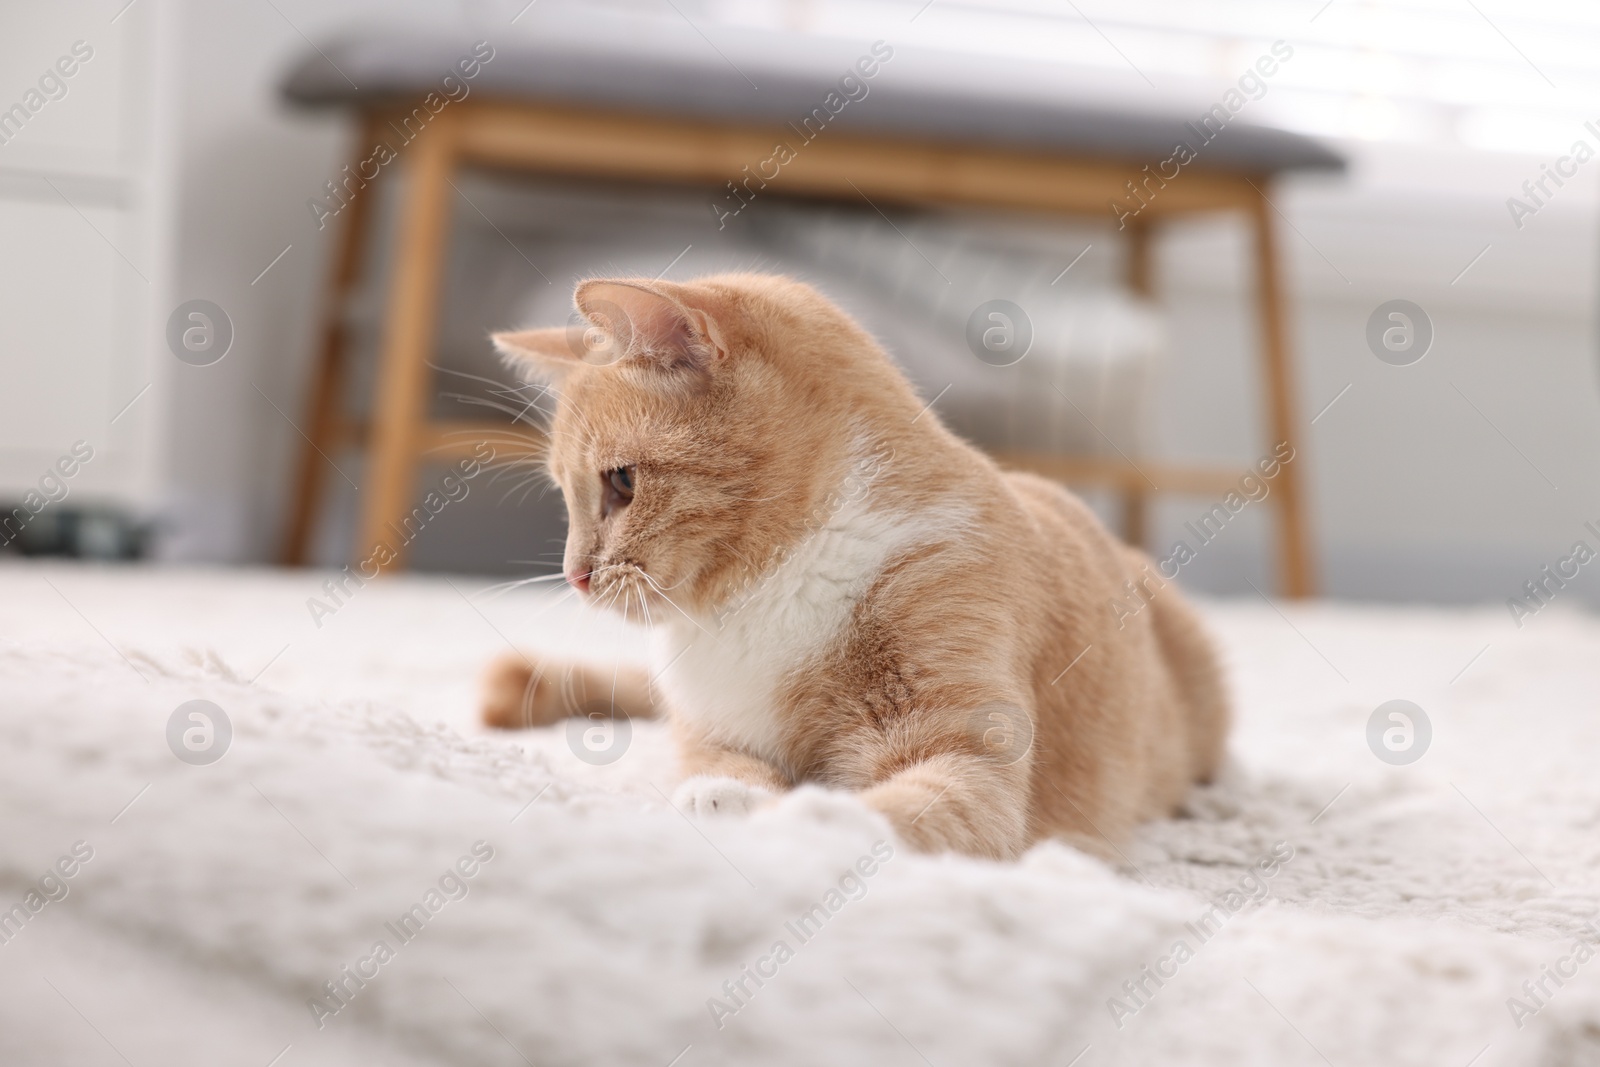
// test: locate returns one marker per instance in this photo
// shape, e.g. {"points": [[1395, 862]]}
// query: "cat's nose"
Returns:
{"points": [[580, 582]]}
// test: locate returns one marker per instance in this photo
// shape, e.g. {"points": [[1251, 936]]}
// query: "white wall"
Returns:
{"points": [[246, 168], [1414, 493], [80, 215]]}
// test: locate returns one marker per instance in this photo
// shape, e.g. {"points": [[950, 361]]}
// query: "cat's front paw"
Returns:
{"points": [[708, 795], [519, 692]]}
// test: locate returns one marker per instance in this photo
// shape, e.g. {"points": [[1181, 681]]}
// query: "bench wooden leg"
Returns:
{"points": [[1135, 518], [1295, 567], [1141, 281], [409, 330], [328, 373]]}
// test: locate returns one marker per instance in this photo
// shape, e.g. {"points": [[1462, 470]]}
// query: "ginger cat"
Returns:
{"points": [[840, 590]]}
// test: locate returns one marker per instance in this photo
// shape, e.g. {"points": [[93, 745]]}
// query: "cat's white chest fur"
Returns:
{"points": [[725, 674]]}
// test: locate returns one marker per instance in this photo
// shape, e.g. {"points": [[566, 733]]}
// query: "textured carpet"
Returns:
{"points": [[1332, 908]]}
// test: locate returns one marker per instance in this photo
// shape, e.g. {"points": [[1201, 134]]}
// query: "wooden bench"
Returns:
{"points": [[658, 108]]}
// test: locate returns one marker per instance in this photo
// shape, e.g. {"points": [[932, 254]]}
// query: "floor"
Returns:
{"points": [[1332, 907]]}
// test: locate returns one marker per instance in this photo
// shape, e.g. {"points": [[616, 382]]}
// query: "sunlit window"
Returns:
{"points": [[1475, 73]]}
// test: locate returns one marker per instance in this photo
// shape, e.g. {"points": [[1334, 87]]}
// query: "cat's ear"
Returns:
{"points": [[544, 356], [622, 320], [649, 322]]}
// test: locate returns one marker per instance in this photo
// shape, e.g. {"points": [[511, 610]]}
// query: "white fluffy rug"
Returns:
{"points": [[219, 899]]}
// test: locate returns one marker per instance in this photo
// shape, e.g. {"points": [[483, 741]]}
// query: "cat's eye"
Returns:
{"points": [[618, 489]]}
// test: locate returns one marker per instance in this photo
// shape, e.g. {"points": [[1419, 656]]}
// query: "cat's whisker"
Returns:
{"points": [[517, 414], [517, 408], [525, 484], [625, 596], [493, 383], [748, 562], [672, 603], [758, 499], [663, 588], [614, 594], [507, 495], [494, 592], [644, 607], [578, 415], [526, 447], [501, 390], [531, 484], [537, 578], [530, 466], [521, 471]]}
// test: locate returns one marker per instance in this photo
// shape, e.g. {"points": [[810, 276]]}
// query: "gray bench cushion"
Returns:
{"points": [[671, 67]]}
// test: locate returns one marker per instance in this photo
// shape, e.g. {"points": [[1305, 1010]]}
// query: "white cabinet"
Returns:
{"points": [[82, 275]]}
